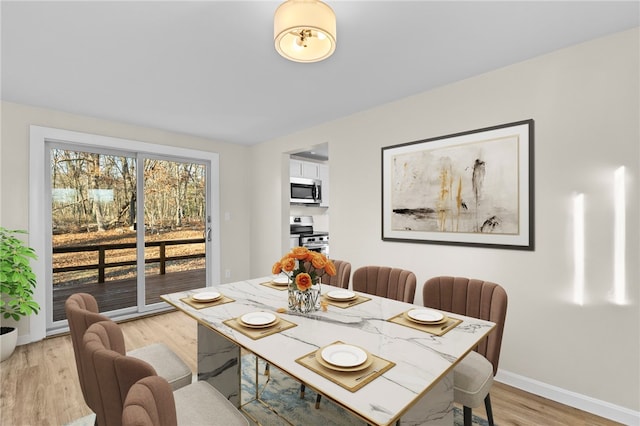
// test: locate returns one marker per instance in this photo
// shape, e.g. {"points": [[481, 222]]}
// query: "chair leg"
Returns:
{"points": [[267, 371], [318, 396], [487, 406], [467, 416]]}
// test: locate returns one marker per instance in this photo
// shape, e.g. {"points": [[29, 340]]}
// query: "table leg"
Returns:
{"points": [[219, 363]]}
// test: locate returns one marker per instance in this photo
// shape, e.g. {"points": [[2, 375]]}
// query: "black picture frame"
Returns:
{"points": [[474, 188]]}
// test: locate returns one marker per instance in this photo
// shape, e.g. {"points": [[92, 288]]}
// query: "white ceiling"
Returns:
{"points": [[209, 68]]}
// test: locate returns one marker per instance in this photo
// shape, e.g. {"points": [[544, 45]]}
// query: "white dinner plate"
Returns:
{"points": [[344, 355], [341, 295], [258, 319], [425, 315], [206, 296], [281, 280], [333, 367]]}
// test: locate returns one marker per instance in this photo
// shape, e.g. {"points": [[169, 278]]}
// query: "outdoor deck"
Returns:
{"points": [[119, 294]]}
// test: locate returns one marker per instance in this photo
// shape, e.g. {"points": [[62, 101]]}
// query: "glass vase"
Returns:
{"points": [[304, 301]]}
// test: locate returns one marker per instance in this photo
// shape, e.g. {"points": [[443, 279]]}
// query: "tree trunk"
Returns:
{"points": [[95, 185]]}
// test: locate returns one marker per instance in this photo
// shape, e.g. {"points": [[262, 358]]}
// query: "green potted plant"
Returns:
{"points": [[17, 282]]}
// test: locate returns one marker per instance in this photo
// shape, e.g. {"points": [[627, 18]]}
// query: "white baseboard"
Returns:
{"points": [[582, 402], [23, 340]]}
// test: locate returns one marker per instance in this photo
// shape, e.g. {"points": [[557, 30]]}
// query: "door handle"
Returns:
{"points": [[208, 234]]}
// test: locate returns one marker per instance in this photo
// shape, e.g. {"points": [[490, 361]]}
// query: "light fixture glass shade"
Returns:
{"points": [[304, 30]]}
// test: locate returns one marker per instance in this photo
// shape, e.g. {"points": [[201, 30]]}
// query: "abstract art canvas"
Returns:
{"points": [[469, 188]]}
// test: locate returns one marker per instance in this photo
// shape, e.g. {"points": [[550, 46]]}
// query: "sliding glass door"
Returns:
{"points": [[126, 227]]}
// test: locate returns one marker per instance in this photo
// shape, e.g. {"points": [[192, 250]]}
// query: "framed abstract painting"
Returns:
{"points": [[473, 188]]}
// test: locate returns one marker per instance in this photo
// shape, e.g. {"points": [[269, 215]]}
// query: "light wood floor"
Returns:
{"points": [[39, 383]]}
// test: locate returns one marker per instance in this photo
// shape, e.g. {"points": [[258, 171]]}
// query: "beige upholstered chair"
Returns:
{"points": [[82, 311], [392, 283], [342, 276], [473, 376], [115, 374]]}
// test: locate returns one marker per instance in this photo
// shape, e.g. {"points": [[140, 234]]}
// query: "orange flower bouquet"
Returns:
{"points": [[304, 269]]}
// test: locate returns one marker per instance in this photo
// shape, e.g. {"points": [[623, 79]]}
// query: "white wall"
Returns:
{"points": [[585, 103], [14, 175]]}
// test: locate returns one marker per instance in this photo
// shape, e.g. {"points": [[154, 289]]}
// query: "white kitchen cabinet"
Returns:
{"points": [[310, 170], [304, 169], [295, 168], [324, 177]]}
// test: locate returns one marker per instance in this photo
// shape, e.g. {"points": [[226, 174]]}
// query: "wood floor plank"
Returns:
{"points": [[39, 383]]}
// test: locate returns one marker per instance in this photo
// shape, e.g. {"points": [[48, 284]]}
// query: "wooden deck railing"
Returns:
{"points": [[102, 264]]}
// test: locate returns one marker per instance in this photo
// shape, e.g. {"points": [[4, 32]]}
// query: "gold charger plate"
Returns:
{"points": [[206, 297], [340, 299], [271, 324], [367, 363], [441, 321]]}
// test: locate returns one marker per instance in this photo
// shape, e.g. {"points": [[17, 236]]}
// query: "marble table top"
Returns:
{"points": [[421, 358]]}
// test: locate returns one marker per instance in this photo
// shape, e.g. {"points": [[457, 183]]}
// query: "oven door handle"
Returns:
{"points": [[314, 246]]}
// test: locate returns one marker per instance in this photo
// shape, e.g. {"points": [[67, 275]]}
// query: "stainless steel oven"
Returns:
{"points": [[316, 242], [302, 226]]}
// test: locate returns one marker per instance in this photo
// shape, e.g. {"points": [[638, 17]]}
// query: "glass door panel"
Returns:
{"points": [[174, 231], [93, 231]]}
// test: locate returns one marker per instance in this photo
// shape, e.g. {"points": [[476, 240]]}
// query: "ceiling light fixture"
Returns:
{"points": [[304, 30]]}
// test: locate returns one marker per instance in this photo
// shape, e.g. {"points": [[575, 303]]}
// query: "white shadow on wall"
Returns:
{"points": [[618, 294], [578, 249], [619, 239]]}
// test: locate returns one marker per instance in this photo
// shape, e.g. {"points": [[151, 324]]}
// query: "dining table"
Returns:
{"points": [[407, 373]]}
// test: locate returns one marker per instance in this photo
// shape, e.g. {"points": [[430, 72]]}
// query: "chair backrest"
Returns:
{"points": [[150, 402], [82, 311], [473, 298], [392, 283], [342, 276], [109, 372]]}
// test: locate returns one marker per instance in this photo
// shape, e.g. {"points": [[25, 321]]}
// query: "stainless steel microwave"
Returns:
{"points": [[305, 191]]}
